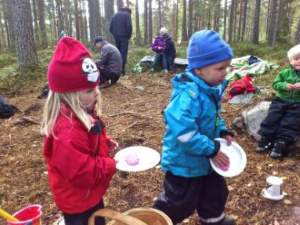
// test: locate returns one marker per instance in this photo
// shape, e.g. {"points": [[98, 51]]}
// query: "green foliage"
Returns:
{"points": [[181, 51], [274, 54], [13, 81], [7, 59], [135, 54]]}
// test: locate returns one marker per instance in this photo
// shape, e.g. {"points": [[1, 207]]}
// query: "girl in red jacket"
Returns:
{"points": [[76, 147]]}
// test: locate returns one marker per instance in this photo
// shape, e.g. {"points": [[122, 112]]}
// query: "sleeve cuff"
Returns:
{"points": [[216, 150], [223, 133]]}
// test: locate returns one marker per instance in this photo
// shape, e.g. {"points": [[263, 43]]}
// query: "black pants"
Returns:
{"points": [[181, 196], [122, 45], [106, 75], [83, 218], [282, 121]]}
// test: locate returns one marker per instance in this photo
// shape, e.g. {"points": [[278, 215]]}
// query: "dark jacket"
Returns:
{"points": [[121, 25], [170, 47], [110, 59]]}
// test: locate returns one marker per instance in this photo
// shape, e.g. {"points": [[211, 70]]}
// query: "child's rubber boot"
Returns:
{"points": [[227, 220], [278, 149], [264, 145]]}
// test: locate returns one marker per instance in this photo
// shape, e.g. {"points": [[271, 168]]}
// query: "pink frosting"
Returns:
{"points": [[132, 159]]}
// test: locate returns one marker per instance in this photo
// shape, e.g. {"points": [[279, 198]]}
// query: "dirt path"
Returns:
{"points": [[132, 112]]}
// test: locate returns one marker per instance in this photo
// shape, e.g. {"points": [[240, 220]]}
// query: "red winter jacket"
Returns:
{"points": [[79, 168]]}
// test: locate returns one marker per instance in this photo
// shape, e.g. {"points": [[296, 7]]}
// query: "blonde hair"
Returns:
{"points": [[293, 52], [70, 99]]}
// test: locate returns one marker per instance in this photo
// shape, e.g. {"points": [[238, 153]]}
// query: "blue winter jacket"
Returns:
{"points": [[192, 123]]}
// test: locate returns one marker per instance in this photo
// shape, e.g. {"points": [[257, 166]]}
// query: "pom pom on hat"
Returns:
{"points": [[71, 67], [205, 48], [163, 31]]}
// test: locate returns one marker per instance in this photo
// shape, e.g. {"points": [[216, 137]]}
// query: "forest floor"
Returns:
{"points": [[132, 112]]}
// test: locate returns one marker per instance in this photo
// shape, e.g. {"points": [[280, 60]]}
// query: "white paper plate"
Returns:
{"points": [[148, 158], [237, 159]]}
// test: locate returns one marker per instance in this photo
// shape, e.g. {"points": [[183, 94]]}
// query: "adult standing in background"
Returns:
{"points": [[121, 29]]}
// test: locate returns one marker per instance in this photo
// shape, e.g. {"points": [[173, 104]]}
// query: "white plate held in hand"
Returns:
{"points": [[136, 158], [237, 159]]}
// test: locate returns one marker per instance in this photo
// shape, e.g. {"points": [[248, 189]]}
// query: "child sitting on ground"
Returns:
{"points": [[76, 147], [281, 127], [164, 48], [193, 122]]}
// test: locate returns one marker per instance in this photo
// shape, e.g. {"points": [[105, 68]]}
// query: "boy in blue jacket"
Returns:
{"points": [[193, 121]]}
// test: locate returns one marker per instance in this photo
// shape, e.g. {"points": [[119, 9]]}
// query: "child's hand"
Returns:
{"points": [[113, 145], [291, 87], [297, 86], [221, 160]]}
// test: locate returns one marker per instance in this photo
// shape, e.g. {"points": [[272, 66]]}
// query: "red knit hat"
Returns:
{"points": [[71, 67]]}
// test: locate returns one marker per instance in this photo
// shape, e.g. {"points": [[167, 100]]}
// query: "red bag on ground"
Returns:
{"points": [[241, 86]]}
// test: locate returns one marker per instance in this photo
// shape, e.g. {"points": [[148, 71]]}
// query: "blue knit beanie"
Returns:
{"points": [[206, 47]]}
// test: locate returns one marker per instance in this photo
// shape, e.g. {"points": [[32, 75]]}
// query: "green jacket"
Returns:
{"points": [[287, 76]]}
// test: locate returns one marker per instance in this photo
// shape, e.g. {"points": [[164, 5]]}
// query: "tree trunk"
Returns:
{"points": [[255, 34], [298, 33], [231, 21], [3, 42], [275, 27], [159, 15], [137, 23], [217, 12], [239, 33], [150, 21], [244, 19], [175, 21], [94, 18], [68, 17], [52, 18], [225, 20], [9, 24], [85, 28], [208, 16], [35, 20], [23, 30], [109, 12], [235, 20], [284, 21], [190, 18], [120, 4], [146, 22], [81, 20], [272, 34], [184, 31], [77, 20], [42, 25], [60, 17], [268, 18]]}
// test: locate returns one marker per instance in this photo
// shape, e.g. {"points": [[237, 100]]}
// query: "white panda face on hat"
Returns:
{"points": [[90, 69]]}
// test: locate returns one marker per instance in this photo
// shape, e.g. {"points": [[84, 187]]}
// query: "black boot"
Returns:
{"points": [[278, 149], [227, 220], [264, 145]]}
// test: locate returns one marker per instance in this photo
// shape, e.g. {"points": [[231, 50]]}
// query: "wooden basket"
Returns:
{"points": [[137, 216]]}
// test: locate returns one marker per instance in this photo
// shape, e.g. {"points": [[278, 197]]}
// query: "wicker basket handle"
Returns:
{"points": [[111, 214]]}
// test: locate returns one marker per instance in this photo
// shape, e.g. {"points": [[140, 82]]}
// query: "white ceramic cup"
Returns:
{"points": [[274, 190]]}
